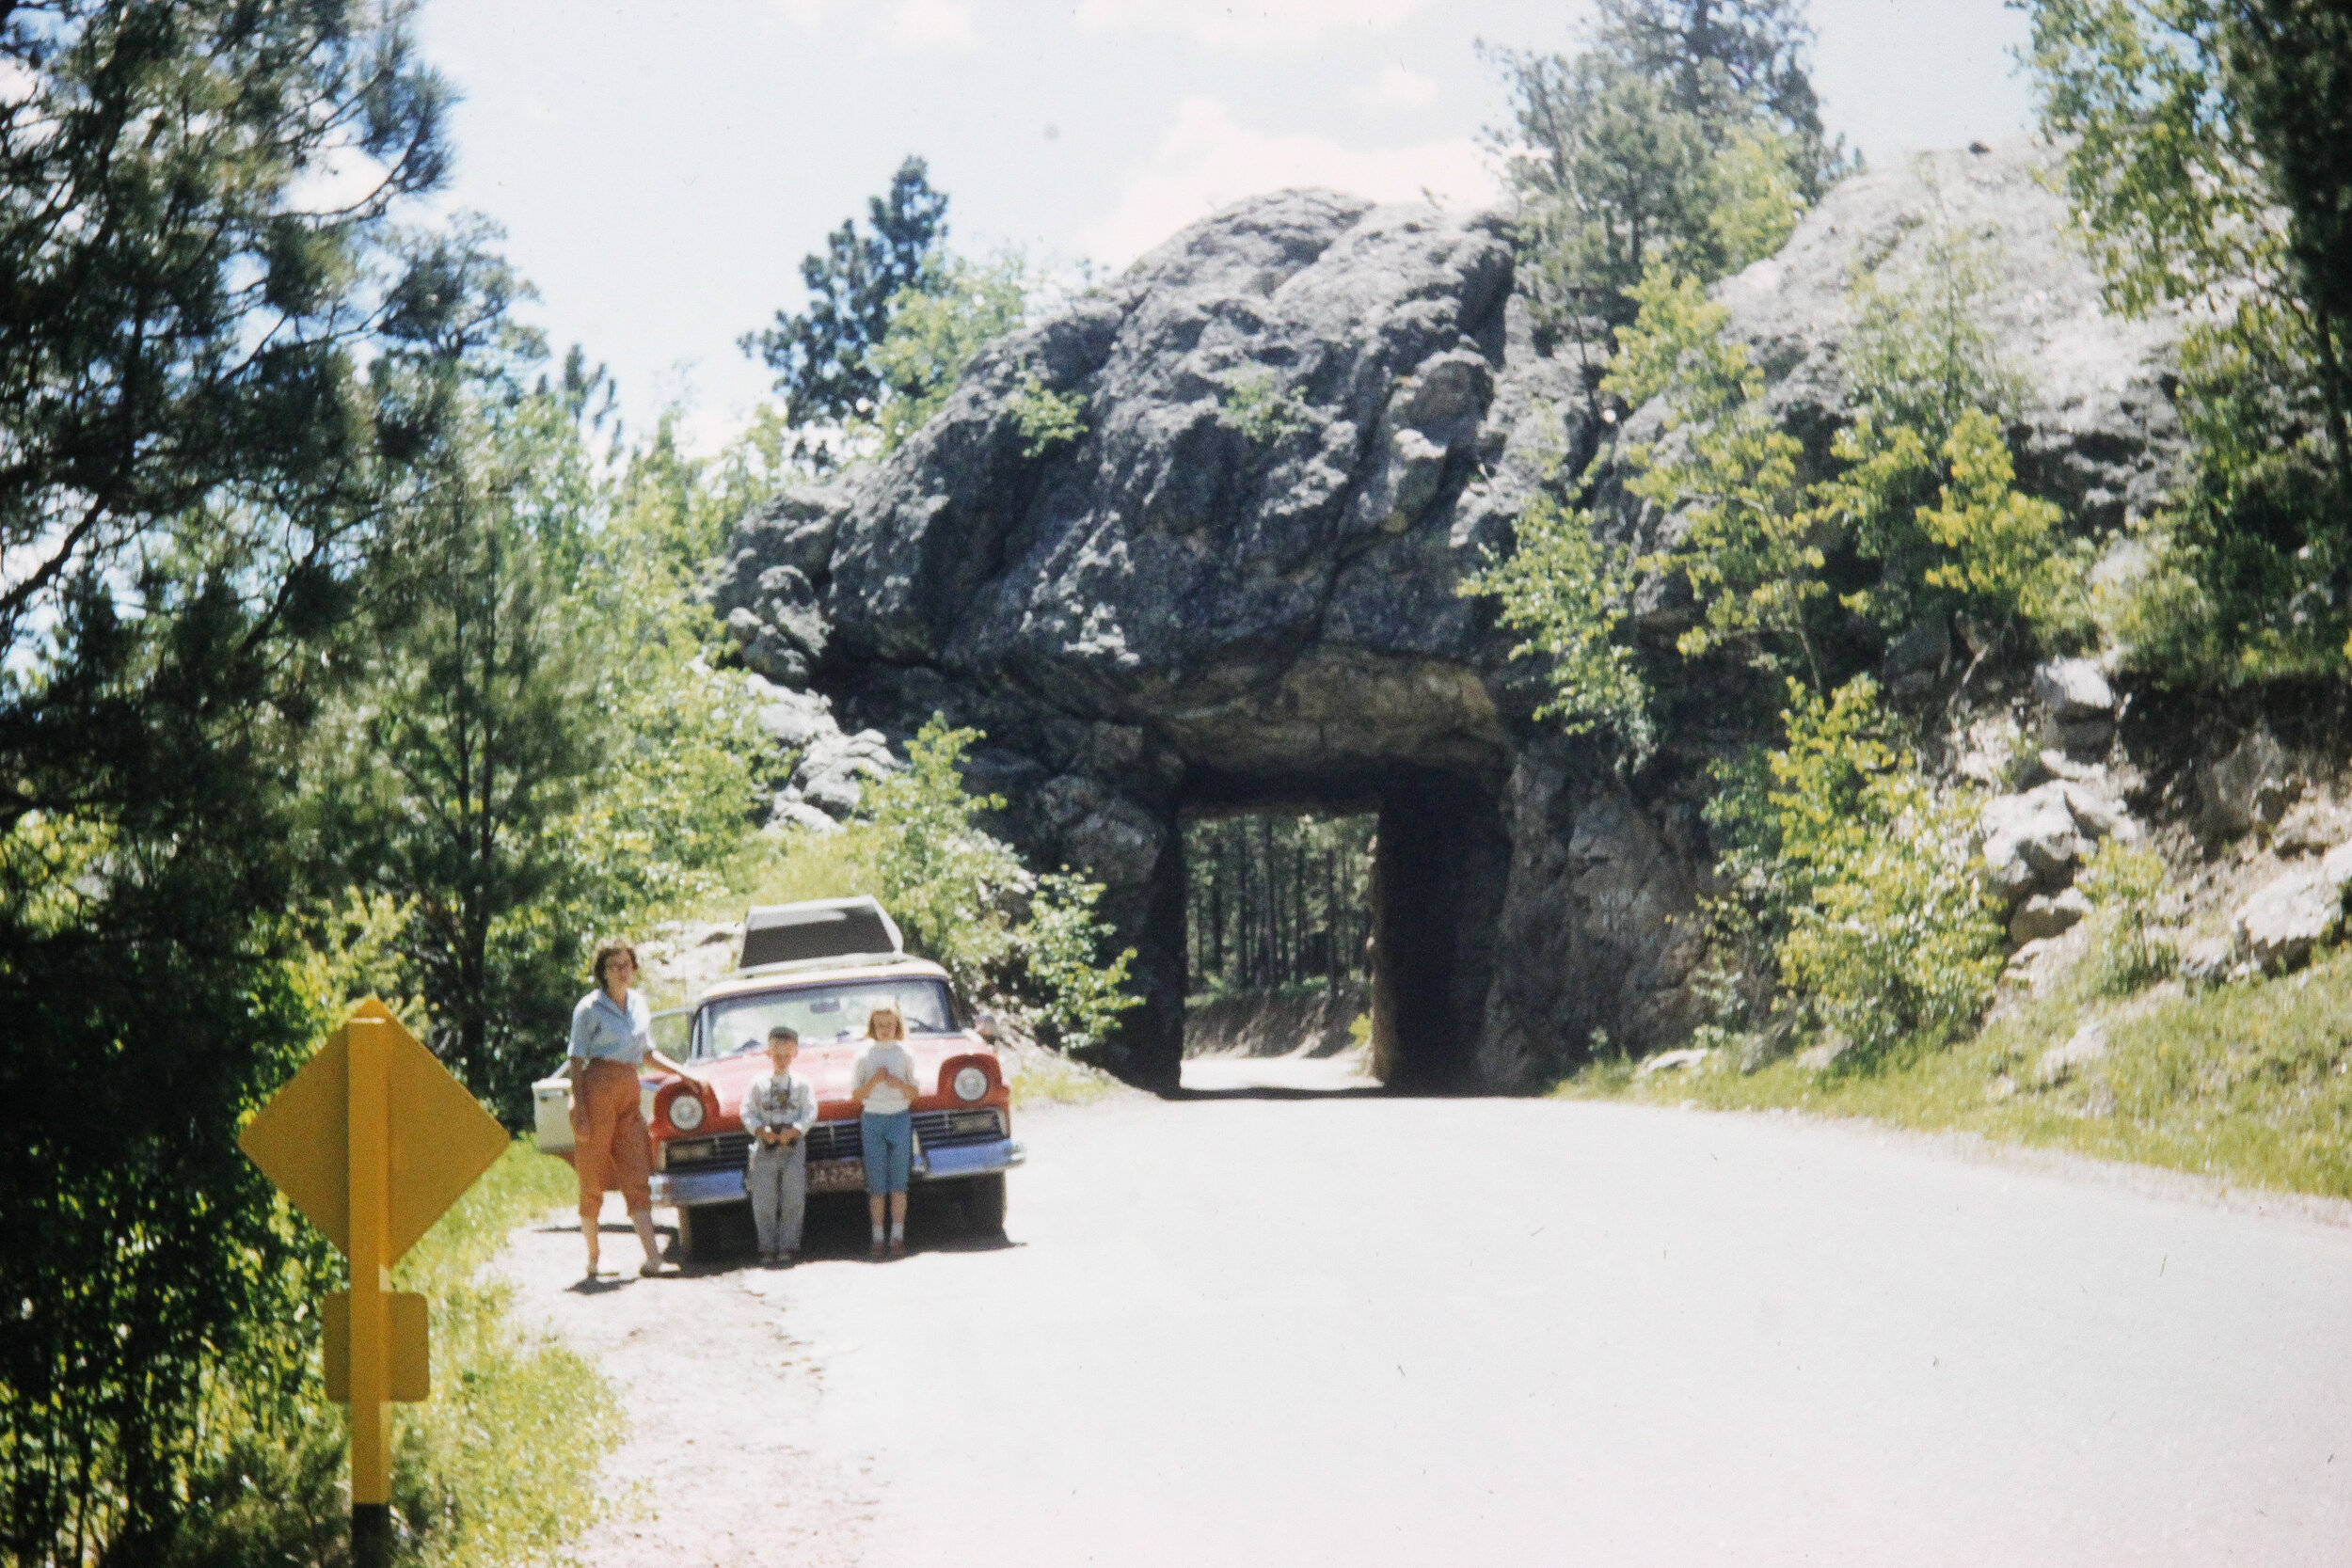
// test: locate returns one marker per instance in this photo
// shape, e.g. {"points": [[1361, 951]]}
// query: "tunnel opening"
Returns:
{"points": [[1278, 930], [1363, 912]]}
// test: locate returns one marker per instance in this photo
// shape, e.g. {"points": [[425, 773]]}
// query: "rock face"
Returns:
{"points": [[2097, 431], [2280, 924], [1307, 419]]}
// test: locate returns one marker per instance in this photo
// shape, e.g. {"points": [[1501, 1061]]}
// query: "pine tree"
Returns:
{"points": [[824, 357]]}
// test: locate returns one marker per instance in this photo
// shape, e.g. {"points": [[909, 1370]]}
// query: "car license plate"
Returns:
{"points": [[836, 1176]]}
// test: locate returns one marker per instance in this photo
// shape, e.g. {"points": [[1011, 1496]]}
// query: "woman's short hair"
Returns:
{"points": [[892, 1013], [606, 952]]}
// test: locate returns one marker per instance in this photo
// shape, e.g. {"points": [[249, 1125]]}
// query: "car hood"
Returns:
{"points": [[827, 1068]]}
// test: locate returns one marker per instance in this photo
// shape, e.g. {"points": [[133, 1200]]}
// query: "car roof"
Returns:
{"points": [[797, 977]]}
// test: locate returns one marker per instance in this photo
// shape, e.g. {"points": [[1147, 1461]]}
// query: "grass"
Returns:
{"points": [[1038, 1076], [2250, 1082], [500, 1467]]}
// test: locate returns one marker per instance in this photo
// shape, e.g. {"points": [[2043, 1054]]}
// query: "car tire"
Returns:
{"points": [[984, 1205], [695, 1236]]}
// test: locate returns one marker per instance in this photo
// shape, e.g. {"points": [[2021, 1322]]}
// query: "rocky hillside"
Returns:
{"points": [[1306, 419]]}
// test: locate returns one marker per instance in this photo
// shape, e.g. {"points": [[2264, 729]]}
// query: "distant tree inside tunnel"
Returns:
{"points": [[1274, 902]]}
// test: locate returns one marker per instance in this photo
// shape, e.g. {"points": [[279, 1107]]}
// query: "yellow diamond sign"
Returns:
{"points": [[372, 1140], [437, 1138]]}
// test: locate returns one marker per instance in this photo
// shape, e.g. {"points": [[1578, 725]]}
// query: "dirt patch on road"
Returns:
{"points": [[720, 1398]]}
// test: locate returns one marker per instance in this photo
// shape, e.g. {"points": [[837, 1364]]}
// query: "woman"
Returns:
{"points": [[883, 1084], [611, 1039]]}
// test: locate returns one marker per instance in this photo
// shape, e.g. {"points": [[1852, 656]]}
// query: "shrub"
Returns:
{"points": [[1049, 421], [500, 1466], [1257, 405], [1856, 874], [1729, 472], [1061, 947], [1570, 592], [941, 878], [955, 891], [2128, 948]]}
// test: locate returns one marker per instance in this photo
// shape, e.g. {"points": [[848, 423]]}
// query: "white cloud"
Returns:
{"points": [[1247, 23], [803, 14], [1397, 89], [1206, 160], [339, 178], [933, 25]]}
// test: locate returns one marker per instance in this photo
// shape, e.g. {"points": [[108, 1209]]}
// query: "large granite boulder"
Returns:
{"points": [[2293, 914], [2097, 431], [1307, 419]]}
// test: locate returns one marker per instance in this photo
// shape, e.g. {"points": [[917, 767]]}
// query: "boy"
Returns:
{"points": [[778, 1111]]}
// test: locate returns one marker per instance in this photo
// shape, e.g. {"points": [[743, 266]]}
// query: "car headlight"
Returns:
{"points": [[971, 1083], [685, 1113]]}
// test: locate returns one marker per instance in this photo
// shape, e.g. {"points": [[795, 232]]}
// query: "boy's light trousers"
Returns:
{"points": [[778, 1182]]}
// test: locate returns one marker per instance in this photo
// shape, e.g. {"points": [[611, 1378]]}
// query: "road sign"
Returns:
{"points": [[440, 1138], [372, 1140]]}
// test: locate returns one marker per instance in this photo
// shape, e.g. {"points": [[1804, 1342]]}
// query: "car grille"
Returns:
{"points": [[837, 1140]]}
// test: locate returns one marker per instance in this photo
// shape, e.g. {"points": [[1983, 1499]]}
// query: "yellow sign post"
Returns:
{"points": [[374, 1140]]}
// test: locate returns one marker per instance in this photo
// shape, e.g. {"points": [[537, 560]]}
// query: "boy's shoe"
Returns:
{"points": [[897, 1247], [785, 1259]]}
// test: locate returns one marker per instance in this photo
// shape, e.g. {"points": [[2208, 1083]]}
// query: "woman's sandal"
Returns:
{"points": [[652, 1267]]}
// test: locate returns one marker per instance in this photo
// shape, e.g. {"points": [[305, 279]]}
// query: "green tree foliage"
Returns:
{"points": [[825, 358], [1062, 946], [1749, 546], [941, 877], [538, 752], [2131, 948], [916, 845], [2205, 164], [1568, 592], [1928, 489], [1848, 871], [1926, 486], [1685, 135], [194, 468], [1725, 61], [1049, 421], [959, 308], [1854, 874], [473, 742], [1273, 902]]}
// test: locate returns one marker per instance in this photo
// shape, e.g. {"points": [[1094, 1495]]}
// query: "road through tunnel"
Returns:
{"points": [[1308, 902]]}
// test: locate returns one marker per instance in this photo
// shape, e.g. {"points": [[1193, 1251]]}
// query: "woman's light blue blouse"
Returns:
{"points": [[603, 1029]]}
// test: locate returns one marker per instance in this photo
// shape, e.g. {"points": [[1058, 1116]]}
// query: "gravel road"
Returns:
{"points": [[1266, 1326]]}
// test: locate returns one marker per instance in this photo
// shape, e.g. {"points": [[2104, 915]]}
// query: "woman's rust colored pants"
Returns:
{"points": [[611, 1150]]}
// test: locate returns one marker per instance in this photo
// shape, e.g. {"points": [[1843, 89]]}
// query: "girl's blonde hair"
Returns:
{"points": [[897, 1022]]}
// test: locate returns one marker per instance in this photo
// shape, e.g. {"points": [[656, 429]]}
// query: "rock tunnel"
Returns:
{"points": [[1238, 588]]}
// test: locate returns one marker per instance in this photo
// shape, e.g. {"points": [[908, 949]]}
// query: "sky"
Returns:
{"points": [[662, 169]]}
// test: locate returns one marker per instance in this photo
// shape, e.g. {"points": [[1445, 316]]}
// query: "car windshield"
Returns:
{"points": [[822, 1014]]}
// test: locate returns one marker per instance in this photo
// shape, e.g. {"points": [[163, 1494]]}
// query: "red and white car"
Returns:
{"points": [[819, 968]]}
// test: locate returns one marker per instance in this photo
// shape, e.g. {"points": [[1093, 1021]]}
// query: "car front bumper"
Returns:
{"points": [[694, 1189]]}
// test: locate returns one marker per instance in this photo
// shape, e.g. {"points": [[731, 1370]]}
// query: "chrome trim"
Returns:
{"points": [[692, 1188], [946, 1164]]}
